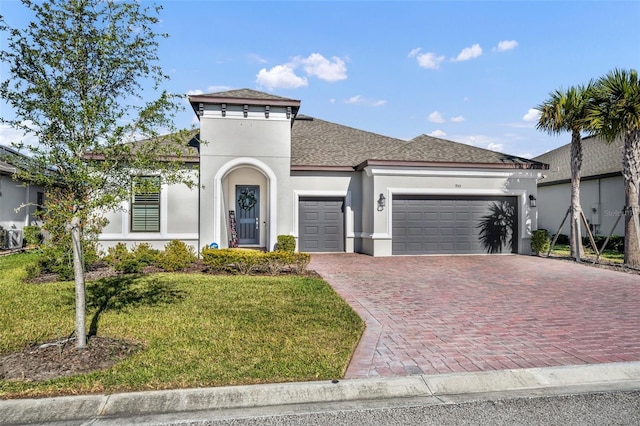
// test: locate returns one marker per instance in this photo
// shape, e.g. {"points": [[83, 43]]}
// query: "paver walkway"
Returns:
{"points": [[441, 314]]}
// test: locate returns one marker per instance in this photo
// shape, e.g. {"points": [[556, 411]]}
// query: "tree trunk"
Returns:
{"points": [[575, 237], [631, 172], [78, 272]]}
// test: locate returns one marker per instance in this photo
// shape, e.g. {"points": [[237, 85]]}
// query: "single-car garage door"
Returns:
{"points": [[321, 224], [454, 225]]}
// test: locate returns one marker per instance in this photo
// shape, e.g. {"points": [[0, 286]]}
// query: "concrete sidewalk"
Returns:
{"points": [[185, 405]]}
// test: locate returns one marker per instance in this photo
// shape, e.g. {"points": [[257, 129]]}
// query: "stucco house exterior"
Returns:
{"points": [[601, 187], [18, 200], [266, 170]]}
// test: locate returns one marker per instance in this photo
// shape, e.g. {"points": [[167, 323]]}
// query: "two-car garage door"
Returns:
{"points": [[454, 225]]}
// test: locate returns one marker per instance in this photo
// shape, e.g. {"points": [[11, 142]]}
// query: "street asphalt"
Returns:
{"points": [[187, 405]]}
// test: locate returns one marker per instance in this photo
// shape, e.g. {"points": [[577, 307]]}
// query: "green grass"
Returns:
{"points": [[608, 255], [195, 330]]}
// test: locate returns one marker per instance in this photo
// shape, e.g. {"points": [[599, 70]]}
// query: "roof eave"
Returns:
{"points": [[311, 168], [395, 163]]}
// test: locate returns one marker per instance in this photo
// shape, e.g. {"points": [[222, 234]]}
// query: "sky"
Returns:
{"points": [[467, 71]]}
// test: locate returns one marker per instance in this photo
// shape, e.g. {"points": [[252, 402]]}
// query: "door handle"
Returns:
{"points": [[257, 223]]}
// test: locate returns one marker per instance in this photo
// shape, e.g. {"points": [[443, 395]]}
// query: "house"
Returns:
{"points": [[18, 200], [266, 170], [601, 187]]}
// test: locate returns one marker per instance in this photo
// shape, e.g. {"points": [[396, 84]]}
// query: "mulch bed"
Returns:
{"points": [[61, 358]]}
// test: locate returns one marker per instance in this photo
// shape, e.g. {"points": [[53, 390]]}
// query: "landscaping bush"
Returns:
{"points": [[32, 235], [176, 256], [58, 258], [145, 254], [116, 254], [286, 243], [563, 239], [540, 241], [251, 261], [616, 242]]}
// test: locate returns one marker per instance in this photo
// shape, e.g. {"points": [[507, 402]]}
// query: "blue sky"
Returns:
{"points": [[465, 71]]}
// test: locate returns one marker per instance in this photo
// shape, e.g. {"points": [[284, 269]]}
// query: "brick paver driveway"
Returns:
{"points": [[440, 314]]}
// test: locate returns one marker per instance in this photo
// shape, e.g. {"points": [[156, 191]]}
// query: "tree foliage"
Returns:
{"points": [[565, 111], [614, 114], [79, 79]]}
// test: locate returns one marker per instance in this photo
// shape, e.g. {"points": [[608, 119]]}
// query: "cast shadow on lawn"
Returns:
{"points": [[128, 291]]}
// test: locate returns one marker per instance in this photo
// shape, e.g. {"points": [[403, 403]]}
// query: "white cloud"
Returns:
{"points": [[505, 45], [280, 77], [495, 147], [255, 58], [525, 155], [437, 134], [469, 53], [209, 89], [531, 115], [435, 117], [429, 60], [364, 101], [323, 68], [458, 119], [9, 135], [414, 52]]}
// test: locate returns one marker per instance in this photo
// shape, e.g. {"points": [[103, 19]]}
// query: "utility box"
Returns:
{"points": [[13, 238]]}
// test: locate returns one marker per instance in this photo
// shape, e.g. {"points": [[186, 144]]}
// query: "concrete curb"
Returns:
{"points": [[441, 388]]}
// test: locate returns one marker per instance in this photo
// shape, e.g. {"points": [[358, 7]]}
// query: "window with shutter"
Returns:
{"points": [[145, 205]]}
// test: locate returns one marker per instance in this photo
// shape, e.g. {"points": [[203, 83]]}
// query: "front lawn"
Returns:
{"points": [[194, 330], [611, 256]]}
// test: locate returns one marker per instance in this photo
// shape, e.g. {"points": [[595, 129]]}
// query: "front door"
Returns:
{"points": [[248, 214]]}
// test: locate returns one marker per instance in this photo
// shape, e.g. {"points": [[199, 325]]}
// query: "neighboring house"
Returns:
{"points": [[601, 187], [266, 171], [18, 200]]}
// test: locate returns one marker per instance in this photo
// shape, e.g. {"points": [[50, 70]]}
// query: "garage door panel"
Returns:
{"points": [[451, 225], [321, 224]]}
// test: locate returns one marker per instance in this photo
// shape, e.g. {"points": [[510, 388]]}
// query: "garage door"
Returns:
{"points": [[454, 225], [321, 224]]}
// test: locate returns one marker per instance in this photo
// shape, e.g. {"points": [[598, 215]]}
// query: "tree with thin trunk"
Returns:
{"points": [[79, 79], [565, 111], [614, 114]]}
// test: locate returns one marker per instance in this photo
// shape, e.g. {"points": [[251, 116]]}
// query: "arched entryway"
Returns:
{"points": [[245, 204]]}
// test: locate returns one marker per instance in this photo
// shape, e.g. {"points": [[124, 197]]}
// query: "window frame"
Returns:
{"points": [[145, 202]]}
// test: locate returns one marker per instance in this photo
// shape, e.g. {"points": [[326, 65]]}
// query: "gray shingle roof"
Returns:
{"points": [[598, 159], [247, 94], [320, 143]]}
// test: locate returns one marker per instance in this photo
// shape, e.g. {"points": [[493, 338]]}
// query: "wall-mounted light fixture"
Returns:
{"points": [[381, 202], [223, 108], [246, 111], [266, 111], [532, 201]]}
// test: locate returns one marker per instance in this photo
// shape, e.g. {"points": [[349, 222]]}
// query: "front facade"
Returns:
{"points": [[601, 187], [265, 170]]}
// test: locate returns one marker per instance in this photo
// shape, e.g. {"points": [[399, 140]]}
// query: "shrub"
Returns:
{"points": [[540, 241], [117, 254], [563, 239], [249, 261], [616, 242], [58, 258], [129, 265], [286, 243], [32, 235], [176, 256], [145, 254], [33, 270]]}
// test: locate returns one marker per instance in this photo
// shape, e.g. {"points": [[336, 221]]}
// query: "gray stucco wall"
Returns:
{"points": [[13, 194], [605, 196]]}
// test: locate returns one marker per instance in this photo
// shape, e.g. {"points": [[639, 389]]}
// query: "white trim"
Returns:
{"points": [[272, 185], [524, 211], [451, 172], [348, 211], [150, 236]]}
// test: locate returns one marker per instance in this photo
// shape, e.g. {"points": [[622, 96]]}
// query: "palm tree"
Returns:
{"points": [[615, 113], [565, 111]]}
